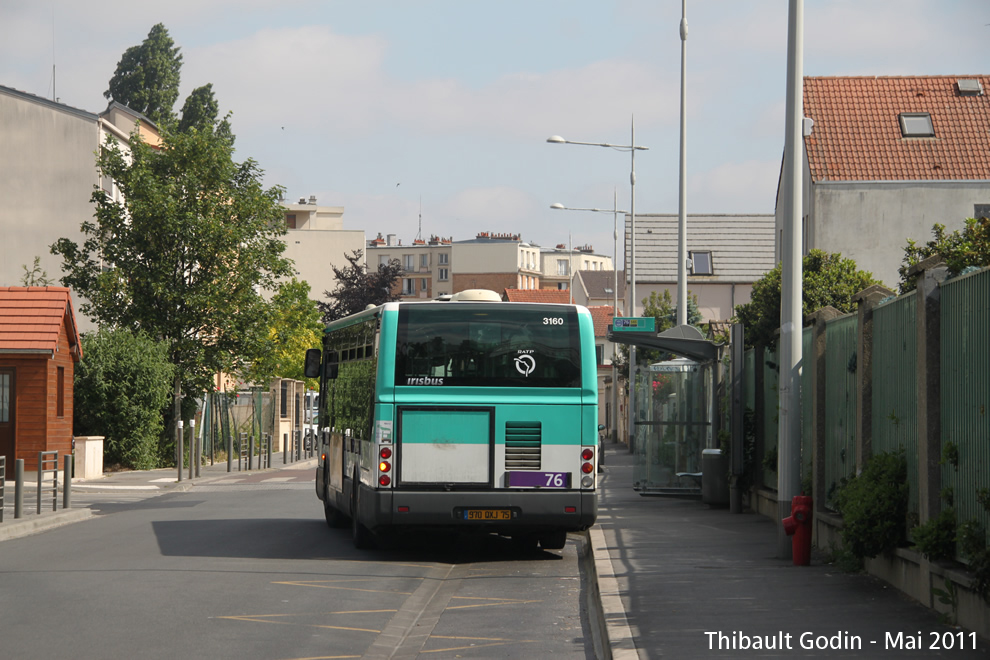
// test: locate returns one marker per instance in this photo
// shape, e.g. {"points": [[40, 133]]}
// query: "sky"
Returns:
{"points": [[430, 117]]}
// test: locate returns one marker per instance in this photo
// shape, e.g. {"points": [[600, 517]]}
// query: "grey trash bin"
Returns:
{"points": [[714, 477]]}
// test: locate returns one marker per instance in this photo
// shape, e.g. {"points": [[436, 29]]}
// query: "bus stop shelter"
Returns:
{"points": [[676, 415]]}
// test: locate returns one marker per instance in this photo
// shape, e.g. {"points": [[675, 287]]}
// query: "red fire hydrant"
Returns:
{"points": [[798, 525]]}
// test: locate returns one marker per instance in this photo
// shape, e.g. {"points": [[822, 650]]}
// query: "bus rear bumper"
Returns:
{"points": [[504, 512]]}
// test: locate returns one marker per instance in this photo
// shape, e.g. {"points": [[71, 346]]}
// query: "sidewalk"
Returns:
{"points": [[691, 581], [153, 482]]}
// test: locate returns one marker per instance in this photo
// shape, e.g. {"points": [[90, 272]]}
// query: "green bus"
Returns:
{"points": [[466, 414]]}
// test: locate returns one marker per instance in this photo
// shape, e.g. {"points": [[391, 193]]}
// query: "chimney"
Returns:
{"points": [[312, 200], [390, 239]]}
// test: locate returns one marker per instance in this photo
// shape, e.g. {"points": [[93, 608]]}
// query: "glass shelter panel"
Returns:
{"points": [[675, 427]]}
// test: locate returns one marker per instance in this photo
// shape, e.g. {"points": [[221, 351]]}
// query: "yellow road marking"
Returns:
{"points": [[495, 602], [267, 618], [330, 584]]}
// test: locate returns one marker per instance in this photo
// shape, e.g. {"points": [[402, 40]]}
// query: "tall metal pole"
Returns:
{"points": [[632, 288], [682, 205], [789, 418], [614, 418]]}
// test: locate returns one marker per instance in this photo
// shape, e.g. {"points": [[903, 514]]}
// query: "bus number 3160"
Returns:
{"points": [[553, 320]]}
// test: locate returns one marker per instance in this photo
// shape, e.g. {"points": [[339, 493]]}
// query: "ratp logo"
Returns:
{"points": [[525, 364]]}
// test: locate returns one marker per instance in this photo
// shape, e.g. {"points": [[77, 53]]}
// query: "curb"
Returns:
{"points": [[613, 638], [42, 523]]}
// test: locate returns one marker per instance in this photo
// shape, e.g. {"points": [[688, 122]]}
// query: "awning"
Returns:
{"points": [[684, 340]]}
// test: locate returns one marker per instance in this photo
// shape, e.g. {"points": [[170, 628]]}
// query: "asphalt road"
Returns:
{"points": [[246, 568]]}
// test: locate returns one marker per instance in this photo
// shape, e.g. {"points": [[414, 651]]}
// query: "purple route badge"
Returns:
{"points": [[539, 480]]}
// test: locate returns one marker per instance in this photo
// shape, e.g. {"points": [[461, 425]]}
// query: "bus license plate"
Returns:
{"points": [[487, 514]]}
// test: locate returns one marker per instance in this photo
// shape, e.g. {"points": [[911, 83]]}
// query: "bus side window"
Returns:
{"points": [[333, 365]]}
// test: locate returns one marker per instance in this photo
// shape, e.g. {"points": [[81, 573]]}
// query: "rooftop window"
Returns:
{"points": [[701, 263], [916, 124]]}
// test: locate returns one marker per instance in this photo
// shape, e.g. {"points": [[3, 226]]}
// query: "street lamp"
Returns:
{"points": [[632, 147], [615, 294]]}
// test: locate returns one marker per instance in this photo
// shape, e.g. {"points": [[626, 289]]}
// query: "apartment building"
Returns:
{"points": [[317, 242], [50, 149], [559, 264], [426, 264]]}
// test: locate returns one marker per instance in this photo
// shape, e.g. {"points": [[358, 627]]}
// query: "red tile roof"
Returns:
{"points": [[857, 134], [602, 316], [538, 295], [31, 318]]}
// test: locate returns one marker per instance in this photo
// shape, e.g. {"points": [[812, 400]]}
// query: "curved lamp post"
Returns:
{"points": [[615, 211], [632, 148]]}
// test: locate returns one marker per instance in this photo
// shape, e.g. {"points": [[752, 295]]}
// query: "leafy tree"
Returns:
{"points": [[185, 255], [960, 249], [828, 279], [294, 325], [357, 287], [36, 276], [121, 386], [200, 109], [147, 76]]}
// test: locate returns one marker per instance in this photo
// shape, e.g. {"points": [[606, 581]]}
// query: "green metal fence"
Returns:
{"points": [[965, 391], [895, 392], [771, 418], [840, 401]]}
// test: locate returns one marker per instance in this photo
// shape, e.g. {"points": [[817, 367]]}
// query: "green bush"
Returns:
{"points": [[936, 539], [121, 386], [874, 506]]}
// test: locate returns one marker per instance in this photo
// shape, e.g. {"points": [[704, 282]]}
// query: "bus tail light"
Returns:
{"points": [[588, 456], [384, 466]]}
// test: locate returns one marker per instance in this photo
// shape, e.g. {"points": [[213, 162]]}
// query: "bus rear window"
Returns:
{"points": [[490, 345]]}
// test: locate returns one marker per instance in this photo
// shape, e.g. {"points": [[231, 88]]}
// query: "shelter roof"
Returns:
{"points": [[31, 318]]}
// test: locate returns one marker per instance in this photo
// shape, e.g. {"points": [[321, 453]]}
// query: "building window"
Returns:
{"points": [[60, 392], [6, 396], [290, 220], [423, 284], [408, 260], [444, 258], [408, 286], [702, 263], [383, 260], [562, 267], [916, 124], [599, 354], [443, 274], [283, 410], [424, 261], [981, 210]]}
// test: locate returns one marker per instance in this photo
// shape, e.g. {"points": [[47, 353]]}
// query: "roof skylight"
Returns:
{"points": [[916, 124]]}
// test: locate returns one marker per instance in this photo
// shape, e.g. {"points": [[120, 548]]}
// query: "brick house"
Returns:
{"points": [[39, 347]]}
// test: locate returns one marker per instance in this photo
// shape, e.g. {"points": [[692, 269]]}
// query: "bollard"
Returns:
{"points": [[230, 452], [178, 448], [268, 437], [285, 449], [196, 443], [298, 445], [18, 488], [251, 452], [67, 489], [191, 442]]}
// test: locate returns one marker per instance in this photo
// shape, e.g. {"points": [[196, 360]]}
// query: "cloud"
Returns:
{"points": [[337, 84], [735, 187]]}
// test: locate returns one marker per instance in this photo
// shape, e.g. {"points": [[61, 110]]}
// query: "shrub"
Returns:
{"points": [[874, 505], [936, 539], [121, 386]]}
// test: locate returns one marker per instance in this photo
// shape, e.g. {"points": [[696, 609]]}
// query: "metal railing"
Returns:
{"points": [[48, 462]]}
